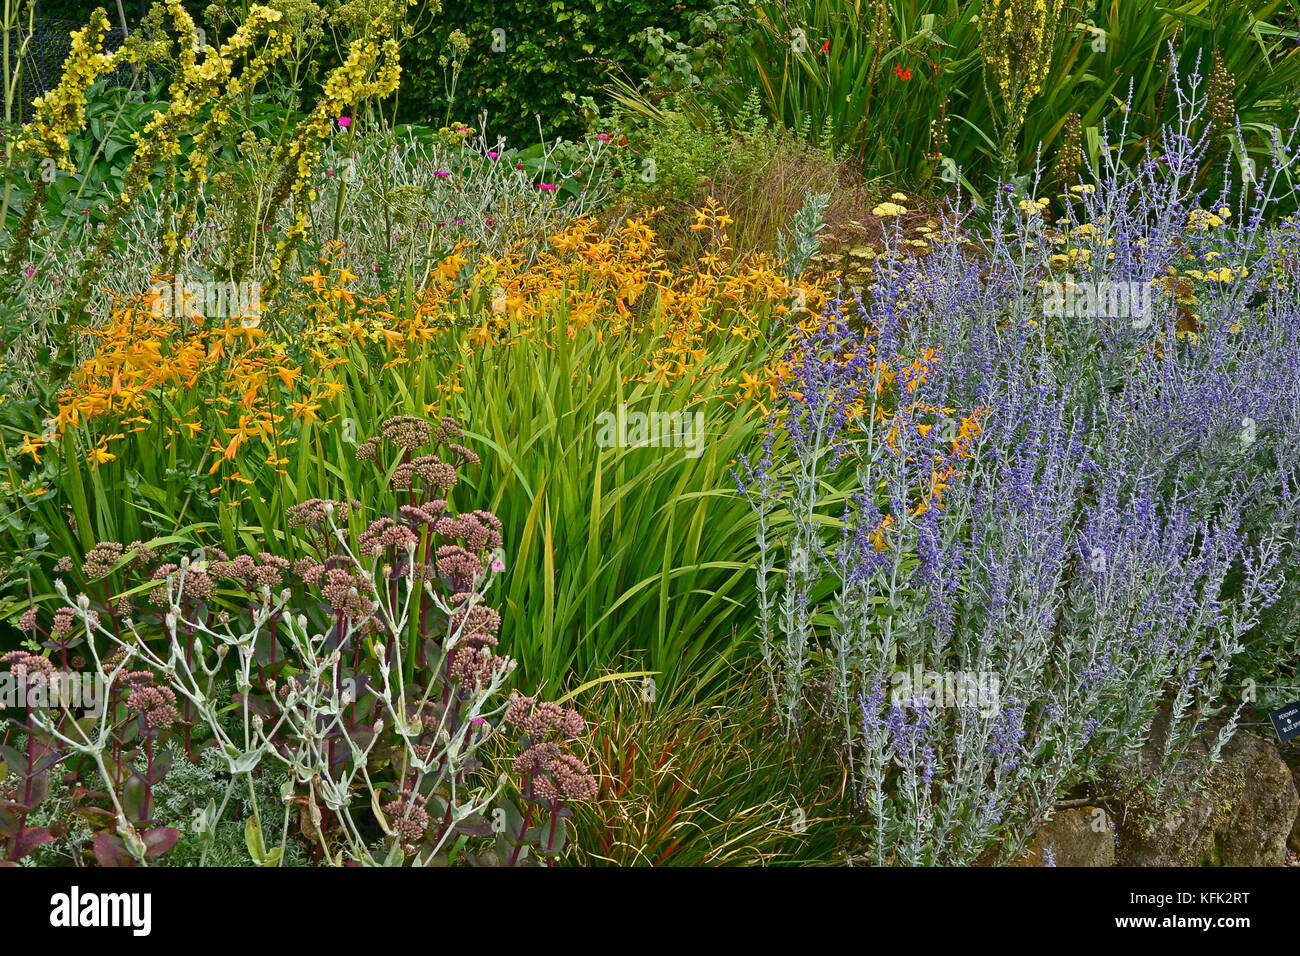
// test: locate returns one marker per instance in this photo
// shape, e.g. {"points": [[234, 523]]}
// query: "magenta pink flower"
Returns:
{"points": [[345, 122]]}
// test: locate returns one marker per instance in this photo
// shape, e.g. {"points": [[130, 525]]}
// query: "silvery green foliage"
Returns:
{"points": [[295, 744], [178, 800], [183, 797], [798, 243], [1111, 531], [407, 199]]}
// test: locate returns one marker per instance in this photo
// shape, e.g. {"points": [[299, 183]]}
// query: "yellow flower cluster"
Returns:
{"points": [[1076, 245], [62, 111], [216, 73], [1201, 220], [158, 141], [1016, 40], [372, 69], [621, 283]]}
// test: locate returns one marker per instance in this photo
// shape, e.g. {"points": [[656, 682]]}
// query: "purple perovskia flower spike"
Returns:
{"points": [[1129, 508]]}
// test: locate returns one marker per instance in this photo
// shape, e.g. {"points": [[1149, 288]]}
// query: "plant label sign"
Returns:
{"points": [[1286, 721]]}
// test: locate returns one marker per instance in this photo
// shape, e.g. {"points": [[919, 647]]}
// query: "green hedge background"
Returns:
{"points": [[552, 47]]}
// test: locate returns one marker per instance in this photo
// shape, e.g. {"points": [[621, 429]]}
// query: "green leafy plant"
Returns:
{"points": [[367, 686], [902, 85]]}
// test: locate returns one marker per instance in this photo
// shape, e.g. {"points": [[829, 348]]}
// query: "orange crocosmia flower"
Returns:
{"points": [[878, 537], [98, 456], [331, 390], [450, 267], [227, 451], [750, 383], [287, 375], [32, 448], [67, 415], [304, 409]]}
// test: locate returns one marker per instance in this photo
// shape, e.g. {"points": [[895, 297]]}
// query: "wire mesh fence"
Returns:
{"points": [[36, 58]]}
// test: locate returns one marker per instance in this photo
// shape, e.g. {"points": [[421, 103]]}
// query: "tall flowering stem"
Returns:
{"points": [[1017, 502], [1017, 40], [371, 70], [192, 89]]}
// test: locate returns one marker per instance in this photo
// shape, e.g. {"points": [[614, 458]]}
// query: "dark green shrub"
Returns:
{"points": [[555, 53]]}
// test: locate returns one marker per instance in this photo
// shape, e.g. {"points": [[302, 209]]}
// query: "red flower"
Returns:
{"points": [[826, 46], [902, 74]]}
